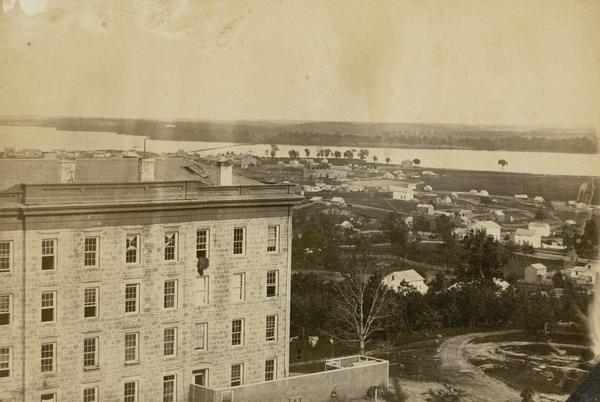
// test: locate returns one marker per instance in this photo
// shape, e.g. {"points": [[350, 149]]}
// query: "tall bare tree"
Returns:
{"points": [[359, 309]]}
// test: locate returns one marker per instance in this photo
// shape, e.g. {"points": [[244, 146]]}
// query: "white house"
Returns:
{"points": [[394, 281], [521, 196], [316, 199], [339, 201], [491, 228], [428, 188], [484, 193], [583, 275], [535, 273], [474, 192], [538, 199], [402, 193], [542, 228], [498, 215], [425, 209], [526, 236], [346, 225]]}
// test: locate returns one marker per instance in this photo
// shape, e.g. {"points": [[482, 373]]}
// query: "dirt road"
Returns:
{"points": [[471, 379]]}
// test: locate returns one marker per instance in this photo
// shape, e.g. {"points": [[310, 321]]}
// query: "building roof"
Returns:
{"points": [[107, 170], [539, 266], [525, 232], [498, 212], [487, 225], [409, 275], [337, 199], [424, 206], [539, 225]]}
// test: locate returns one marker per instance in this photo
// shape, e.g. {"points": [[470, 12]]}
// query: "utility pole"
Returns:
{"points": [[145, 139]]}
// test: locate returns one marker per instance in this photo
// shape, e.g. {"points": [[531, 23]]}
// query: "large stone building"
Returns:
{"points": [[134, 290]]}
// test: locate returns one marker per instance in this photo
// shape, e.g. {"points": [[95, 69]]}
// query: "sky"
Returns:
{"points": [[523, 62]]}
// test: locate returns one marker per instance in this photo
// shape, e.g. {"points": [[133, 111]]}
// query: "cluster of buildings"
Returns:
{"points": [[586, 275], [151, 279]]}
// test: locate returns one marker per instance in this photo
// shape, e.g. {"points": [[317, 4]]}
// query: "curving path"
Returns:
{"points": [[464, 375]]}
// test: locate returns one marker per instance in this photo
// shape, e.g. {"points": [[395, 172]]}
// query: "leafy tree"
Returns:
{"points": [[348, 154], [483, 255], [388, 159], [540, 214], [397, 231], [311, 304], [502, 163], [443, 227], [416, 161], [375, 158], [587, 245], [274, 149], [327, 152], [558, 280], [307, 152], [363, 153], [337, 154], [527, 395], [293, 154], [448, 394]]}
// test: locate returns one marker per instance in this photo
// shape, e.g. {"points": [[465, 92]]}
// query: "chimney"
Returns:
{"points": [[146, 170], [224, 172], [67, 170]]}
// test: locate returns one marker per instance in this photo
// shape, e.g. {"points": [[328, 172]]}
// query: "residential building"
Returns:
{"points": [[498, 215], [526, 236], [491, 228], [521, 197], [535, 273], [540, 227], [140, 290], [407, 163], [538, 199], [399, 280], [337, 201], [425, 209], [465, 214], [402, 193], [587, 274]]}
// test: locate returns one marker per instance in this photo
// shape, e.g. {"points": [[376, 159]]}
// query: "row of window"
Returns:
{"points": [[91, 297], [91, 248], [91, 346]]}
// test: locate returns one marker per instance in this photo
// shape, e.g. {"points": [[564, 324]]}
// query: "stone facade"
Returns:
{"points": [[26, 282]]}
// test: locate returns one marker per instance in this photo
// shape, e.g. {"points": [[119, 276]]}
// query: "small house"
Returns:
{"points": [[570, 222], [402, 193], [338, 201], [346, 225], [465, 214], [316, 199], [491, 228], [522, 197], [484, 193], [428, 188], [526, 236], [473, 192], [425, 209], [535, 273], [402, 281], [407, 163], [538, 199], [542, 228], [497, 215]]}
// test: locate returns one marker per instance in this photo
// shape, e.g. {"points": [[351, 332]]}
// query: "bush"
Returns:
{"points": [[448, 394]]}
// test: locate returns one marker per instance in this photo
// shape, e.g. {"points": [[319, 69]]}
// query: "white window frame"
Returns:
{"points": [[240, 378], [135, 348], [203, 293], [136, 286], [95, 253], [88, 303], [130, 398], [201, 336], [238, 291], [49, 358], [171, 343], [270, 284], [174, 246], [275, 240], [95, 354], [170, 296], [138, 248], [86, 398], [51, 394], [240, 332], [6, 256], [46, 253], [274, 372], [204, 372], [5, 361], [272, 338], [51, 307], [241, 242], [6, 307], [204, 246], [172, 397]]}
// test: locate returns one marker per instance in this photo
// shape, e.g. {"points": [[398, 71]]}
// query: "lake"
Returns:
{"points": [[47, 139]]}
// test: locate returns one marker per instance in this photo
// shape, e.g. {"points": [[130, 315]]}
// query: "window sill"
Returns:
{"points": [[200, 350], [94, 368], [132, 363], [173, 357]]}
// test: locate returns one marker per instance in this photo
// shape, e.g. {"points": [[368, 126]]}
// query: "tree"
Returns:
{"points": [[388, 160], [484, 255], [448, 394], [307, 152], [363, 153], [587, 244], [348, 154], [397, 231], [360, 306], [293, 154], [502, 163], [558, 280], [274, 149], [416, 161], [375, 158], [327, 152], [540, 214], [337, 154]]}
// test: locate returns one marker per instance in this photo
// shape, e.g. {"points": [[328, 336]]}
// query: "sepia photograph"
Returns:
{"points": [[299, 201]]}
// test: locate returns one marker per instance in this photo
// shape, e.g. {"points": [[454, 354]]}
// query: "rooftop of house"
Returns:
{"points": [[525, 232], [539, 266], [498, 212], [487, 225], [539, 224], [409, 275]]}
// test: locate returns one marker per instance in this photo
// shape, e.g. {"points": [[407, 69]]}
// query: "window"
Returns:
{"points": [[238, 291], [5, 361], [201, 377], [131, 347], [131, 297], [170, 294], [270, 369], [130, 391], [202, 243], [171, 246], [51, 397], [202, 290], [90, 302], [47, 357], [170, 342], [169, 388], [273, 239], [227, 396], [271, 328], [5, 256], [132, 249], [295, 399], [201, 335], [48, 306], [90, 394], [5, 309], [237, 332], [272, 283], [238, 241], [48, 254], [90, 252], [237, 373], [90, 353]]}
